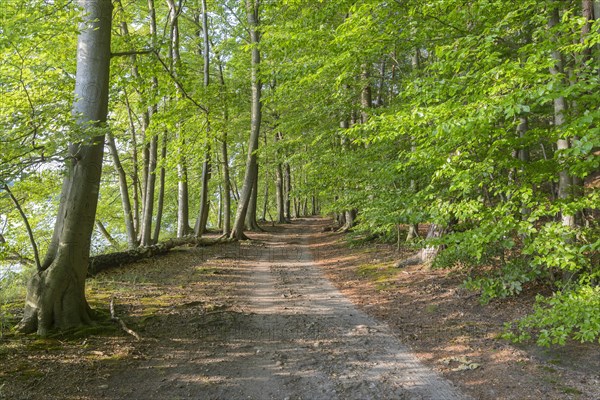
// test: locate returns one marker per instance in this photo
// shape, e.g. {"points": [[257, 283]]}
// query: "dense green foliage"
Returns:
{"points": [[407, 112]]}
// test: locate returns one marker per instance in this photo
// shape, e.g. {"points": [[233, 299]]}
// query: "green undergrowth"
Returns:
{"points": [[499, 266], [571, 314]]}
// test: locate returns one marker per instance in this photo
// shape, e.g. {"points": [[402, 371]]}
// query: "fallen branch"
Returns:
{"points": [[113, 317], [110, 260]]}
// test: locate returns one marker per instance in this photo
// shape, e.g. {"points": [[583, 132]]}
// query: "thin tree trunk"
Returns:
{"points": [[145, 122], [365, 96], [56, 296], [279, 194], [34, 246], [226, 186], [135, 174], [296, 208], [252, 8], [146, 231], [183, 214], [202, 219], [161, 190], [413, 232], [225, 162], [124, 190], [287, 189], [560, 108], [107, 234], [263, 218]]}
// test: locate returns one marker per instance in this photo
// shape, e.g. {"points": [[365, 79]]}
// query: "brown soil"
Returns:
{"points": [[258, 320]]}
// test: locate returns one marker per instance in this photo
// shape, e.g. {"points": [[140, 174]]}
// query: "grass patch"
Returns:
{"points": [[206, 271], [382, 274]]}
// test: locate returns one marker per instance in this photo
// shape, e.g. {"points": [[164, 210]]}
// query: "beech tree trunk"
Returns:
{"points": [[279, 194], [251, 223], [146, 231], [226, 186], [560, 108], [56, 294], [161, 190], [287, 189], [252, 8], [202, 219], [124, 191], [226, 200]]}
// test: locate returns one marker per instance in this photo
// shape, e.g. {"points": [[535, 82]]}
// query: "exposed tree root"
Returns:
{"points": [[113, 317]]}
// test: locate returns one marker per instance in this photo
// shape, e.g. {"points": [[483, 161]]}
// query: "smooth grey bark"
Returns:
{"points": [[287, 189], [56, 295], [102, 229], [279, 189], [226, 199], [182, 201], [522, 128], [279, 194], [250, 176], [413, 232], [183, 214], [161, 190], [145, 121], [350, 217], [124, 191], [263, 217], [427, 254], [135, 173], [146, 230], [565, 181], [226, 186], [150, 153], [251, 223], [202, 219]]}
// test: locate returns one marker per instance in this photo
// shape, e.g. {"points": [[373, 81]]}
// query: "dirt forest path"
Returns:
{"points": [[285, 333]]}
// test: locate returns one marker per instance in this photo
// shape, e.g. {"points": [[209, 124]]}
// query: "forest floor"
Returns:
{"points": [[293, 314]]}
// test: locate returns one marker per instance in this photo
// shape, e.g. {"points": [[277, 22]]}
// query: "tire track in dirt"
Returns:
{"points": [[307, 341], [286, 333]]}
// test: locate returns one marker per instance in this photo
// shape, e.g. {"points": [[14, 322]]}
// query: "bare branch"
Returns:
{"points": [[27, 226]]}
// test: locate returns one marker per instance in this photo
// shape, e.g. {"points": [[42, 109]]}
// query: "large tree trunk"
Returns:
{"points": [[251, 223], [124, 190], [56, 295], [252, 8], [349, 220], [428, 253]]}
